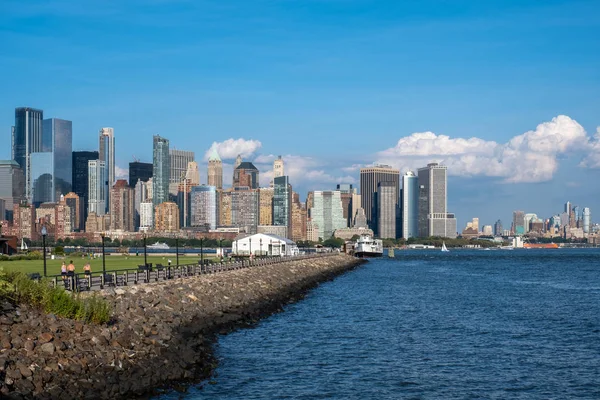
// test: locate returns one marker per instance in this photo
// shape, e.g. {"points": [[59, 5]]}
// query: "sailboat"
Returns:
{"points": [[444, 248], [23, 245]]}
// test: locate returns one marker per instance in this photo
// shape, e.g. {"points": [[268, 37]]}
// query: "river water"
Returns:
{"points": [[465, 324]]}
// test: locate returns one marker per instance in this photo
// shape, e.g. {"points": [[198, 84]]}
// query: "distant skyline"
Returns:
{"points": [[505, 93]]}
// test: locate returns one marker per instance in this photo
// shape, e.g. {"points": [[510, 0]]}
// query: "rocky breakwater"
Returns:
{"points": [[161, 336]]}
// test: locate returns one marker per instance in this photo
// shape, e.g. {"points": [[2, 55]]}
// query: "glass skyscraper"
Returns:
{"points": [[106, 147], [80, 173], [161, 165], [139, 171], [204, 207], [370, 177], [327, 212], [97, 187], [27, 139], [282, 203], [58, 139], [410, 205], [42, 178], [12, 186]]}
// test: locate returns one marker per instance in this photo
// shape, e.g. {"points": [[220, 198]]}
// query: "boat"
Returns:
{"points": [[366, 246], [540, 245], [23, 245], [444, 248], [159, 246]]}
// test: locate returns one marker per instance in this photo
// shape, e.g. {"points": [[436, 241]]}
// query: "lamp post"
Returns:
{"points": [[271, 246], [261, 253], [145, 254], [44, 233], [250, 239], [103, 235]]}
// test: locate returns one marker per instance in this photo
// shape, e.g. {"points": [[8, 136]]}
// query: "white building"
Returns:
{"points": [[263, 244], [146, 215]]}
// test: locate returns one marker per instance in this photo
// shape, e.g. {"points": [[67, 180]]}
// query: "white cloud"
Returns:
{"points": [[121, 173], [530, 157], [592, 160], [230, 148]]}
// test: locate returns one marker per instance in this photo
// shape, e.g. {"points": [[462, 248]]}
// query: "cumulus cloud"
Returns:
{"points": [[529, 157], [592, 159], [121, 173], [230, 148]]}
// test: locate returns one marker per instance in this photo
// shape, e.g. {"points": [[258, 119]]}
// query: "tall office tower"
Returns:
{"points": [[2, 213], [266, 206], [139, 171], [215, 169], [160, 170], [370, 177], [184, 191], [23, 221], [146, 215], [498, 229], [348, 194], [122, 207], [576, 217], [12, 186], [192, 173], [72, 201], [278, 169], [282, 203], [224, 204], [360, 219], [568, 208], [179, 160], [204, 207], [96, 187], [166, 217], [106, 148], [27, 139], [410, 205], [527, 221], [327, 212], [245, 212], [238, 161], [80, 169], [387, 203], [58, 139], [246, 175], [41, 174], [434, 219], [518, 222], [298, 219], [143, 193], [587, 218], [564, 219]]}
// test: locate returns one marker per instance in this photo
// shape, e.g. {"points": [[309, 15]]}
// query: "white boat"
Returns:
{"points": [[23, 245], [159, 246], [366, 246], [444, 248]]}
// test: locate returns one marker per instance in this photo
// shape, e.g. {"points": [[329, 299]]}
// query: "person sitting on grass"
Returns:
{"points": [[87, 269]]}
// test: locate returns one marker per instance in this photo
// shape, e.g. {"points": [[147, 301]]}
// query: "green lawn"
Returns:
{"points": [[112, 263]]}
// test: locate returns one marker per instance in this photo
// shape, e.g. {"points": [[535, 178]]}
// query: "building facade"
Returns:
{"points": [[204, 207], [106, 146], [215, 169], [146, 215], [96, 187], [161, 174], [166, 217], [122, 207], [26, 139], [245, 212], [246, 175], [58, 139], [76, 215], [179, 160], [387, 203], [587, 220], [224, 206], [299, 216], [282, 203], [370, 177], [41, 173], [12, 187], [266, 206], [327, 213], [434, 218], [278, 169], [80, 170], [139, 171], [518, 222], [409, 200]]}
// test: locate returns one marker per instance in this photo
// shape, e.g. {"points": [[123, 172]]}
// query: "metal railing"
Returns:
{"points": [[147, 274]]}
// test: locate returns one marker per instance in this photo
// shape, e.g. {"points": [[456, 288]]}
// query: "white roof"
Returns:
{"points": [[266, 236]]}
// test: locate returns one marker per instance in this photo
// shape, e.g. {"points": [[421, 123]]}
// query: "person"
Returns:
{"points": [[63, 271], [87, 269], [71, 269]]}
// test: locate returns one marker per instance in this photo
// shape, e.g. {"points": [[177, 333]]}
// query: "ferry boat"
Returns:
{"points": [[366, 246], [159, 246]]}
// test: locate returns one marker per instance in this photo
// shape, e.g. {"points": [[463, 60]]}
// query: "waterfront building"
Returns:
{"points": [[370, 177], [160, 170], [434, 218], [327, 212], [215, 169], [80, 170], [282, 203], [266, 205], [23, 221], [224, 205], [263, 244], [122, 207], [409, 200], [12, 187], [498, 230], [204, 207], [106, 150], [518, 222], [76, 211], [312, 231], [246, 175], [139, 171], [146, 215], [488, 230], [349, 233], [245, 211], [166, 217], [385, 212], [298, 219], [96, 188], [41, 173], [26, 139], [587, 217], [58, 138], [278, 169]]}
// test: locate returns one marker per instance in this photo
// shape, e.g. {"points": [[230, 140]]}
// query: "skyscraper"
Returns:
{"points": [[204, 207], [122, 209], [161, 170], [27, 139], [245, 212], [498, 229], [387, 203], [349, 196], [327, 213], [75, 210], [96, 187], [587, 217], [80, 170], [246, 175], [41, 173], [215, 169], [298, 219], [58, 139], [410, 205], [238, 161], [370, 177], [192, 173], [143, 193], [266, 206], [434, 219], [277, 169], [178, 161], [518, 222], [12, 186], [139, 171], [106, 147], [166, 217], [282, 203]]}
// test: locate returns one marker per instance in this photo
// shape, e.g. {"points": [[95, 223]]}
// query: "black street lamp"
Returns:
{"points": [[250, 239], [261, 253], [103, 235], [145, 253], [201, 251], [177, 250], [44, 233]]}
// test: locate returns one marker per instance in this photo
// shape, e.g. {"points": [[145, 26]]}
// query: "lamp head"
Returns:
{"points": [[44, 231]]}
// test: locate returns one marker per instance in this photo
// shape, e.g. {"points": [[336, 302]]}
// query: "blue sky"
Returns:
{"points": [[329, 84]]}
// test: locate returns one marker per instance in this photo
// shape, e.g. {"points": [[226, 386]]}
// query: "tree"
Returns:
{"points": [[333, 242]]}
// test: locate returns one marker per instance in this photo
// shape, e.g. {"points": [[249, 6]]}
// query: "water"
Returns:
{"points": [[465, 324]]}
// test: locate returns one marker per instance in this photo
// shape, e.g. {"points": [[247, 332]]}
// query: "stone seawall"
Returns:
{"points": [[161, 337]]}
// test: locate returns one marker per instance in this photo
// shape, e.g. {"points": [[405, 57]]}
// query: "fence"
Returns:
{"points": [[148, 274]]}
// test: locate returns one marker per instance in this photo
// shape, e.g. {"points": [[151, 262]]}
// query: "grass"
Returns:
{"points": [[112, 263]]}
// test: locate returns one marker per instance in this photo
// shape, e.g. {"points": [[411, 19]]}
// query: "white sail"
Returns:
{"points": [[23, 245], [444, 248]]}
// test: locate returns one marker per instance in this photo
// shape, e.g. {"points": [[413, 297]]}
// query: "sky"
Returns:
{"points": [[505, 93]]}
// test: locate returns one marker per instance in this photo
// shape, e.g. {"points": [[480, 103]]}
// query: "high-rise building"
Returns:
{"points": [[518, 222], [215, 169], [122, 207], [587, 218], [245, 212], [360, 219], [348, 194], [224, 207], [75, 209], [528, 218], [96, 187], [266, 206], [246, 175], [166, 217], [80, 169], [143, 193], [139, 171], [282, 203], [106, 146], [12, 186], [160, 170], [238, 161], [23, 221], [299, 229], [146, 215], [498, 229], [2, 213], [434, 218], [192, 173], [204, 207], [387, 203], [179, 160], [370, 177], [410, 205], [41, 174], [327, 213], [27, 139], [58, 139], [278, 169]]}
